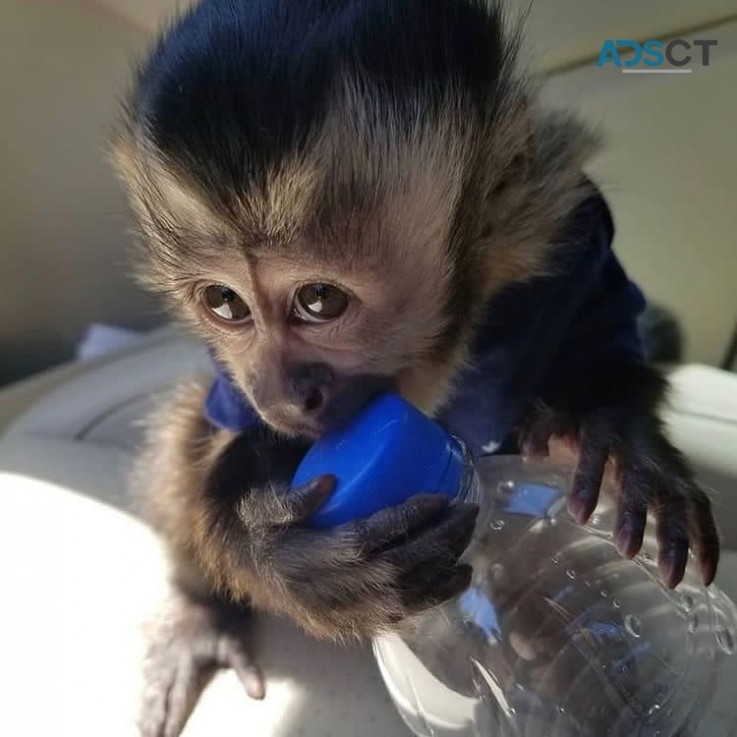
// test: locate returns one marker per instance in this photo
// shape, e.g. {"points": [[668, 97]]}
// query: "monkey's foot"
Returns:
{"points": [[191, 642]]}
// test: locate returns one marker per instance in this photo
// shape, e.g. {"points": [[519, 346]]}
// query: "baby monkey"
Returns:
{"points": [[348, 196]]}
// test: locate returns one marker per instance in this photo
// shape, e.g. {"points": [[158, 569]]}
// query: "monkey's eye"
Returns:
{"points": [[224, 303], [320, 302]]}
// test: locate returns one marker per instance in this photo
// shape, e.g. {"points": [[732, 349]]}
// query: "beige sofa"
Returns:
{"points": [[82, 575]]}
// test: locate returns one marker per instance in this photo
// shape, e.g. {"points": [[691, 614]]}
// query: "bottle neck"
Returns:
{"points": [[469, 487]]}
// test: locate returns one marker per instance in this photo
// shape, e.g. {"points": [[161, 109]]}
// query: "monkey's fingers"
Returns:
{"points": [[629, 528], [428, 567], [174, 674], [438, 545], [584, 495], [392, 524], [672, 535], [703, 533], [232, 653], [172, 691], [682, 514], [190, 643], [684, 520], [429, 584]]}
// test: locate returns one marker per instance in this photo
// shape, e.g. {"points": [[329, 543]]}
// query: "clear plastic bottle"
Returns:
{"points": [[557, 635]]}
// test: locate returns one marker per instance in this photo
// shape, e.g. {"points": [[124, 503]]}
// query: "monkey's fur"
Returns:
{"points": [[395, 150]]}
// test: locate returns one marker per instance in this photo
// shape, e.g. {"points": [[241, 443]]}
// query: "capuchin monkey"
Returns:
{"points": [[343, 197]]}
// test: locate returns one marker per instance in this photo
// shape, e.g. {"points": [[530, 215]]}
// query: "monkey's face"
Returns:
{"points": [[318, 288], [321, 279], [309, 339], [293, 342]]}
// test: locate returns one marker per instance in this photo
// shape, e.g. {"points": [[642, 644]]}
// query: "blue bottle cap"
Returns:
{"points": [[385, 454]]}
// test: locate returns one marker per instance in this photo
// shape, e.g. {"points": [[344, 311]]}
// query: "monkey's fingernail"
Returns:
{"points": [[324, 485], [708, 572], [707, 554], [628, 542], [257, 692], [310, 497], [435, 500], [579, 509], [672, 564], [707, 565], [255, 686], [319, 490]]}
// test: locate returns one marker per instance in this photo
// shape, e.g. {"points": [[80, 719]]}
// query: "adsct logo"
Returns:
{"points": [[656, 57]]}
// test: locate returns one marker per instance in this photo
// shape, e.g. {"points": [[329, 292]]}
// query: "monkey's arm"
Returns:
{"points": [[223, 505], [255, 543]]}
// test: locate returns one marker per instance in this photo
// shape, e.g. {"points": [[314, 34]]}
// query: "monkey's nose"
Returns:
{"points": [[310, 384]]}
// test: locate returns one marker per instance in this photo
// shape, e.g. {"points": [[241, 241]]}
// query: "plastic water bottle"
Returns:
{"points": [[557, 635]]}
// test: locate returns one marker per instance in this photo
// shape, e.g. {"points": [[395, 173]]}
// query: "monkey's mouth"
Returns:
{"points": [[295, 428], [351, 396], [345, 398]]}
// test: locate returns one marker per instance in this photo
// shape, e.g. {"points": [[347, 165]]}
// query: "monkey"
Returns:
{"points": [[340, 198]]}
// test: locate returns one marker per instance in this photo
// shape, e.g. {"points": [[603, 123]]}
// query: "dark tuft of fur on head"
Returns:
{"points": [[235, 87]]}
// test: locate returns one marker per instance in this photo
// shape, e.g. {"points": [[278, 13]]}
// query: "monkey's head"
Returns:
{"points": [[330, 191]]}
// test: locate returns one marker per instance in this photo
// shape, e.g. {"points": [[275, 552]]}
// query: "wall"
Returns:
{"points": [[63, 219], [668, 169]]}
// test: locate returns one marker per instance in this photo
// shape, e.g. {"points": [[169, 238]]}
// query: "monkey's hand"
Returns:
{"points": [[360, 578], [611, 418], [191, 640]]}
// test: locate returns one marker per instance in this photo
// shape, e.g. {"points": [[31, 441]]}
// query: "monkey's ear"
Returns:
{"points": [[531, 179]]}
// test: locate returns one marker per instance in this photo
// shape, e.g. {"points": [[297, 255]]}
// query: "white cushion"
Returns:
{"points": [[82, 574], [80, 581], [702, 421]]}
